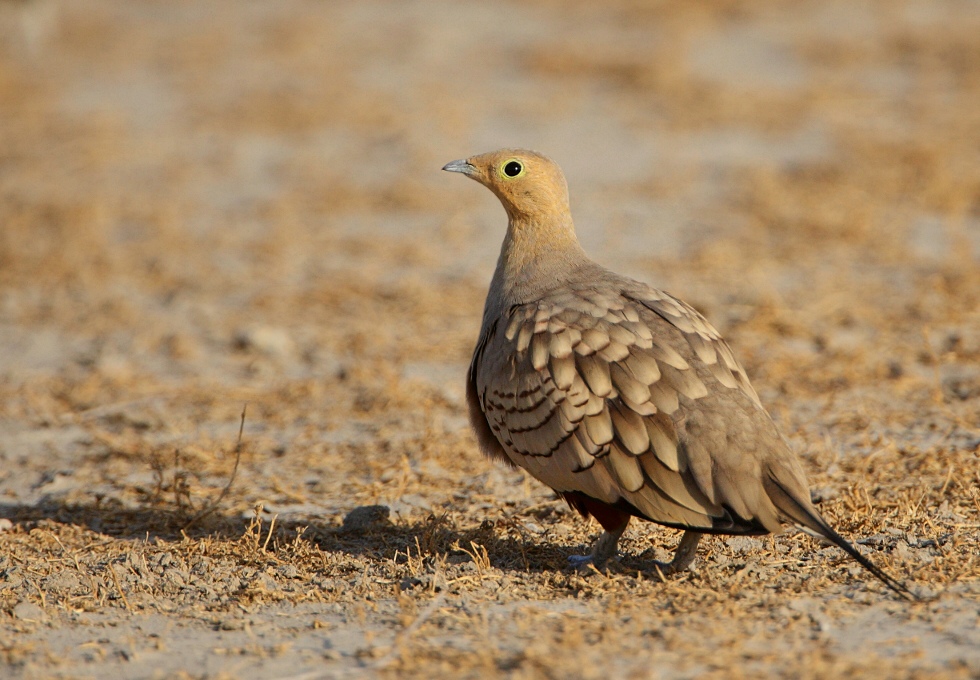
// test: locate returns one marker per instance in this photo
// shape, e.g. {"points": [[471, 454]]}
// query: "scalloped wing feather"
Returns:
{"points": [[633, 379]]}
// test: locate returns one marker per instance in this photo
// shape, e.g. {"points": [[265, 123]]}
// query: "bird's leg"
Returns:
{"points": [[683, 556], [603, 549]]}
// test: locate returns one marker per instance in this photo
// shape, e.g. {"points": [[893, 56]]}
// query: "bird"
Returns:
{"points": [[621, 397]]}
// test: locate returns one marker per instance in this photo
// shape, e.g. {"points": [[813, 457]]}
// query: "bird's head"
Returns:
{"points": [[530, 186]]}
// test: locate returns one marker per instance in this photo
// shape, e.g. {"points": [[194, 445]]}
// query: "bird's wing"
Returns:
{"points": [[626, 394]]}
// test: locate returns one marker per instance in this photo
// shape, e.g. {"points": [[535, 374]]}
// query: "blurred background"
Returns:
{"points": [[176, 175], [209, 203]]}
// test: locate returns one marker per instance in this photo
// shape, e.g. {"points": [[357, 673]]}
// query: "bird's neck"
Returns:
{"points": [[538, 254]]}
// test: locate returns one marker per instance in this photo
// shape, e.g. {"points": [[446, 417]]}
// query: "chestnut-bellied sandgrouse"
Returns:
{"points": [[619, 396]]}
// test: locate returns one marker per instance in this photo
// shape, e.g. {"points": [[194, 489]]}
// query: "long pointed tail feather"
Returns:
{"points": [[807, 518]]}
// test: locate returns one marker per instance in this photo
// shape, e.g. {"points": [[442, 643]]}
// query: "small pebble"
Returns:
{"points": [[265, 339], [365, 517], [28, 611]]}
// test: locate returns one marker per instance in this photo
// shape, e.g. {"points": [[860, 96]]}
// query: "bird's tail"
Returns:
{"points": [[802, 514]]}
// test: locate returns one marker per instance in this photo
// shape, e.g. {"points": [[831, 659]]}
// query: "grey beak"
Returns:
{"points": [[462, 166]]}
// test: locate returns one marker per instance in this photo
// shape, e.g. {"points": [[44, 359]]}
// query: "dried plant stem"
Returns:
{"points": [[115, 579], [231, 480]]}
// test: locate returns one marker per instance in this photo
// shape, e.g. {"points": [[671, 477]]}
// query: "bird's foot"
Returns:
{"points": [[661, 570], [585, 563], [604, 548], [683, 558]]}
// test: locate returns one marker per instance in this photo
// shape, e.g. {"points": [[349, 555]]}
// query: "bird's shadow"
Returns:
{"points": [[502, 546]]}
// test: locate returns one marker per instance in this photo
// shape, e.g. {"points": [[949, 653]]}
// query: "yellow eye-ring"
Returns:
{"points": [[512, 168]]}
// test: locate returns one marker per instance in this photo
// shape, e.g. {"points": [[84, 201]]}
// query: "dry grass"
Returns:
{"points": [[198, 215]]}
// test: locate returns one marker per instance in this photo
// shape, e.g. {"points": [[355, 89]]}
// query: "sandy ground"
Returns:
{"points": [[208, 205]]}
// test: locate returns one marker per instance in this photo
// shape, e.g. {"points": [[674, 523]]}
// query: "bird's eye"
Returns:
{"points": [[513, 168]]}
